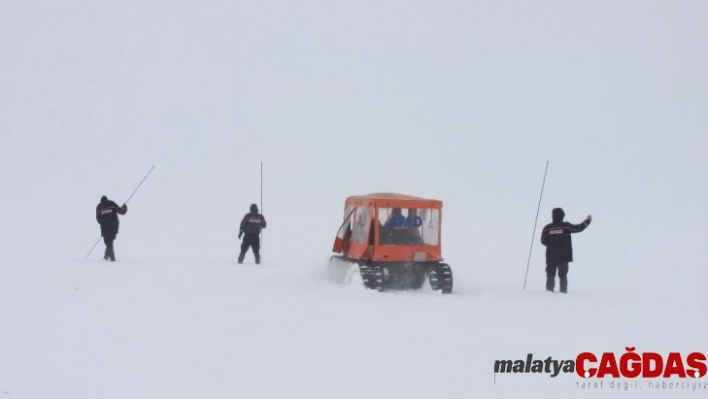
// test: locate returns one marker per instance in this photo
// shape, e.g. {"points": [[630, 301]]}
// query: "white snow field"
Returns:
{"points": [[459, 101]]}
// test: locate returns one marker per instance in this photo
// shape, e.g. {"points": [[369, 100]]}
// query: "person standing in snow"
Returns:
{"points": [[559, 248], [107, 213], [250, 229]]}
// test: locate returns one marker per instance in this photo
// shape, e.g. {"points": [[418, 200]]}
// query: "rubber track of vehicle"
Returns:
{"points": [[372, 275], [445, 277]]}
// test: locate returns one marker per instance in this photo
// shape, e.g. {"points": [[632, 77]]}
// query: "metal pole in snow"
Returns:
{"points": [[262, 201], [141, 183], [534, 225]]}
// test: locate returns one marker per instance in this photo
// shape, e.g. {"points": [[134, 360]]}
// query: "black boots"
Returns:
{"points": [[550, 284], [242, 255], [109, 255]]}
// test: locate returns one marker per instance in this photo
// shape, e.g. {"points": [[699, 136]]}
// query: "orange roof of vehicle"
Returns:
{"points": [[389, 196]]}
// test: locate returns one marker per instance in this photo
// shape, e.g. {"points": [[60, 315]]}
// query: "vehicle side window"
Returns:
{"points": [[361, 223], [430, 226]]}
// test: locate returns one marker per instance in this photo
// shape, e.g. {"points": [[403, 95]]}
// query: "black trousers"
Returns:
{"points": [[253, 242], [109, 254], [562, 269]]}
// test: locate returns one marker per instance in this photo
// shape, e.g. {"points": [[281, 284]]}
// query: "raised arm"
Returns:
{"points": [[577, 228]]}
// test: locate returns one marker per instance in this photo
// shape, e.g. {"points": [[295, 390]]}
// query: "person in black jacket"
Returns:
{"points": [[559, 248], [250, 229], [107, 213]]}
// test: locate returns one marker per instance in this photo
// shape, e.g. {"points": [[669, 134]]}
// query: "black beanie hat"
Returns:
{"points": [[254, 208]]}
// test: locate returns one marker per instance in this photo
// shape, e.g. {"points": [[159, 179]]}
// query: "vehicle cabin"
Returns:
{"points": [[390, 227]]}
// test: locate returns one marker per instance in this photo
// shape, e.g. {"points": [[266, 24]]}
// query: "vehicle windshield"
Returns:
{"points": [[408, 226]]}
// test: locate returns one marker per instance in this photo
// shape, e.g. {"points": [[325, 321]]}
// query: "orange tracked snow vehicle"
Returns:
{"points": [[394, 240]]}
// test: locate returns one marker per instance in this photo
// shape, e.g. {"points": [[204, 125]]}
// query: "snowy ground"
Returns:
{"points": [[75, 328]]}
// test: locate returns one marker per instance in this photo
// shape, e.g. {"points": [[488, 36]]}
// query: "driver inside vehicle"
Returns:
{"points": [[398, 231]]}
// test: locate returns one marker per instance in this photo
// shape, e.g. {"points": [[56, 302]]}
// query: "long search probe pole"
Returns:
{"points": [[534, 225]]}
